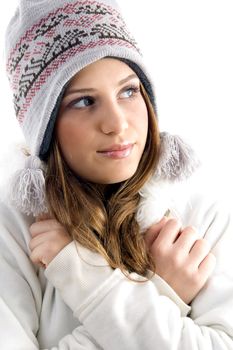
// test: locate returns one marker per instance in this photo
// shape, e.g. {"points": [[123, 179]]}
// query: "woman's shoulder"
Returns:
{"points": [[201, 203], [209, 211], [14, 226], [10, 217], [193, 201], [10, 214]]}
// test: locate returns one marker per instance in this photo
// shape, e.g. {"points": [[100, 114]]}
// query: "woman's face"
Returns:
{"points": [[103, 122]]}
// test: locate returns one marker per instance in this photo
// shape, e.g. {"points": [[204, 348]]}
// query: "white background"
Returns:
{"points": [[188, 48]]}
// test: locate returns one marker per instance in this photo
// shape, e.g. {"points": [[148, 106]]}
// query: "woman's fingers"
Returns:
{"points": [[186, 239], [199, 251], [38, 240], [153, 232], [181, 258], [169, 233], [46, 245], [39, 227], [207, 266], [43, 216], [36, 256]]}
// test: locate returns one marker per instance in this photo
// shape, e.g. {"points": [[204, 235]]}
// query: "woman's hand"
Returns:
{"points": [[49, 237], [182, 259]]}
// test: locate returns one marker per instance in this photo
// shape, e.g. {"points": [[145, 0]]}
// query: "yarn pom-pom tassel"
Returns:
{"points": [[27, 192], [177, 160]]}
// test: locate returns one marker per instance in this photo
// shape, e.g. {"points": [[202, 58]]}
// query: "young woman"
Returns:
{"points": [[103, 245]]}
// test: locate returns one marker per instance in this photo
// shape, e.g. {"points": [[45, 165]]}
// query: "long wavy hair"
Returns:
{"points": [[105, 223]]}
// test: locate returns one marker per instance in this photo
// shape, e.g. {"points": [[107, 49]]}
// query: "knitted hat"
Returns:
{"points": [[47, 43]]}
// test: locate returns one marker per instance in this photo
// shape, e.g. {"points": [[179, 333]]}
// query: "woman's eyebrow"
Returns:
{"points": [[131, 76], [87, 90]]}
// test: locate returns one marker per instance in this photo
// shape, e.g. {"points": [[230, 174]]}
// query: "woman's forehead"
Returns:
{"points": [[107, 68]]}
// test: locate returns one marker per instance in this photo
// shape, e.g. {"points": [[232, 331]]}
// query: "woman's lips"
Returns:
{"points": [[117, 151]]}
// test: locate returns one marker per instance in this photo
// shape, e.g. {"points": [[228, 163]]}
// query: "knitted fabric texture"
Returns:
{"points": [[48, 42]]}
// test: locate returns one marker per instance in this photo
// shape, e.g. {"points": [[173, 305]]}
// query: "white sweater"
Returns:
{"points": [[78, 302]]}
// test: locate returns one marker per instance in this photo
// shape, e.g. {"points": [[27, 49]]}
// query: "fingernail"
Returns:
{"points": [[167, 213]]}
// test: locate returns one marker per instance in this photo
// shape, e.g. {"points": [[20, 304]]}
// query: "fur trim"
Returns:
{"points": [[177, 160], [157, 199], [166, 188]]}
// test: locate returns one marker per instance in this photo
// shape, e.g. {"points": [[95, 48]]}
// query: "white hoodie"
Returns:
{"points": [[79, 302]]}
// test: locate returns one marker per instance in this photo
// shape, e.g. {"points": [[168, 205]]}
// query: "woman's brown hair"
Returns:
{"points": [[105, 223]]}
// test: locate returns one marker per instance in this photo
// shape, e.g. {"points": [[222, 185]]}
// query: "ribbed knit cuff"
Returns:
{"points": [[163, 288], [77, 272]]}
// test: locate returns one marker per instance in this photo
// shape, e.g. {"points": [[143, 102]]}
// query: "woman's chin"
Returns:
{"points": [[114, 178]]}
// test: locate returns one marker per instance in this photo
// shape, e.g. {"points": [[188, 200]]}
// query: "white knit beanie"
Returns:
{"points": [[47, 43]]}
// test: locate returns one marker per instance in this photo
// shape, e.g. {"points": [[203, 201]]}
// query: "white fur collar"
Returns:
{"points": [[159, 197]]}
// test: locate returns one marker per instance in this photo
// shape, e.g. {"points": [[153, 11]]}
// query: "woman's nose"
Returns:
{"points": [[114, 119]]}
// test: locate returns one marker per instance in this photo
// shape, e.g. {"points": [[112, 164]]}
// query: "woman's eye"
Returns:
{"points": [[130, 91], [82, 102]]}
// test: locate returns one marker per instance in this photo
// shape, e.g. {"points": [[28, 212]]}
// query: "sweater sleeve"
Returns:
{"points": [[21, 294], [122, 314]]}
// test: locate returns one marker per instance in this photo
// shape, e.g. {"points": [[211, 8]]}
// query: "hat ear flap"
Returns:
{"points": [[177, 159]]}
